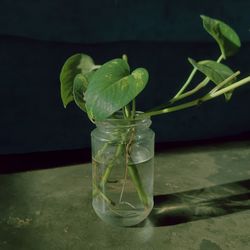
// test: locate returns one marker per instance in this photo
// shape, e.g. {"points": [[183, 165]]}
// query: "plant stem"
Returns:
{"points": [[230, 87], [127, 150], [96, 67], [126, 111], [199, 100], [133, 173], [179, 95], [135, 177], [110, 166], [97, 191], [191, 92], [221, 57], [125, 57], [219, 86], [129, 169], [133, 108], [193, 72]]}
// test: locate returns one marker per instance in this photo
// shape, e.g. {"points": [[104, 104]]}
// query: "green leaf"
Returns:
{"points": [[216, 72], [111, 88], [108, 73], [225, 36], [78, 63], [79, 87]]}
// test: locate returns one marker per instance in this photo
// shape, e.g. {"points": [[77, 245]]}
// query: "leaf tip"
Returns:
{"points": [[65, 104], [125, 57], [202, 16], [192, 61]]}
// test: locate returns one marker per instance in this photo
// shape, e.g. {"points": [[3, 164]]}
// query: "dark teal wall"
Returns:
{"points": [[37, 37], [116, 20]]}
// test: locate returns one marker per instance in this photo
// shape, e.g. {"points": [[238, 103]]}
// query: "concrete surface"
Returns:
{"points": [[202, 202]]}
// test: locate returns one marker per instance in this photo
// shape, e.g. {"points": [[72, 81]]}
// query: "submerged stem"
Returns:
{"points": [[130, 169], [127, 153], [97, 191], [135, 177], [110, 166]]}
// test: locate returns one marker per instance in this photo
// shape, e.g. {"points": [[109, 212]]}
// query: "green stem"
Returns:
{"points": [[198, 101], [230, 87], [223, 83], [96, 67], [126, 109], [135, 177], [125, 57], [126, 112], [193, 72], [132, 171], [97, 191], [191, 92], [133, 108], [127, 151], [180, 96], [221, 57], [108, 170], [100, 151]]}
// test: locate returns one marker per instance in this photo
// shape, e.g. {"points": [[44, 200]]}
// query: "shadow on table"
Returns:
{"points": [[177, 208]]}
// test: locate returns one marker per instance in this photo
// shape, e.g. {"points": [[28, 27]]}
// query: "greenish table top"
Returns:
{"points": [[202, 201]]}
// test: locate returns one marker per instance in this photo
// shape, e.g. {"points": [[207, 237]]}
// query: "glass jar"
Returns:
{"points": [[123, 170]]}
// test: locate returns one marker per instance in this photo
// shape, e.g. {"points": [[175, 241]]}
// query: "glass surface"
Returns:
{"points": [[123, 170]]}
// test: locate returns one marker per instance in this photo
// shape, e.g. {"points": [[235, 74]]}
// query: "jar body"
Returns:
{"points": [[123, 171]]}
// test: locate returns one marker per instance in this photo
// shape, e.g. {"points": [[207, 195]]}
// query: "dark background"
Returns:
{"points": [[36, 37]]}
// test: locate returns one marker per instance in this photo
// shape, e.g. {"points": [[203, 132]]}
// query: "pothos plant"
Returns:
{"points": [[103, 90]]}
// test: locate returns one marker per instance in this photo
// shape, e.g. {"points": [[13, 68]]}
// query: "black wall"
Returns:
{"points": [[36, 37]]}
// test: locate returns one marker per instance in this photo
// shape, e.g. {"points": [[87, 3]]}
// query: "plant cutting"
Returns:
{"points": [[122, 142]]}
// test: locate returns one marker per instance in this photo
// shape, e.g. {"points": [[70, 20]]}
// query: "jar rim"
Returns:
{"points": [[120, 122]]}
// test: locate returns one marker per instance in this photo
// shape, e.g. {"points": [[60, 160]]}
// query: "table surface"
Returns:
{"points": [[202, 201]]}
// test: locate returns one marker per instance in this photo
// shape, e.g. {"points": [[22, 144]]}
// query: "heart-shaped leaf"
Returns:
{"points": [[225, 36], [108, 73], [78, 63], [79, 87], [111, 88], [216, 72]]}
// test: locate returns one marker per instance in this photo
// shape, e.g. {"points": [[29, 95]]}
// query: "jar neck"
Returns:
{"points": [[120, 124]]}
